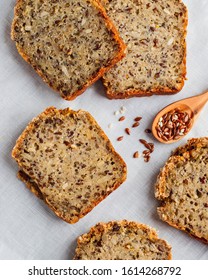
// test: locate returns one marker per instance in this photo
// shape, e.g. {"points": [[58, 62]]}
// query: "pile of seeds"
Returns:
{"points": [[149, 146], [149, 149], [173, 125]]}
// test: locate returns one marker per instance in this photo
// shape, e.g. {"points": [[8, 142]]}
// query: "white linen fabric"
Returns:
{"points": [[28, 228]]}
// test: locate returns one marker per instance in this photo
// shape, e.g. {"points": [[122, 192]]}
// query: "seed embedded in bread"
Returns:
{"points": [[70, 44], [66, 159], [121, 240], [154, 32], [182, 188]]}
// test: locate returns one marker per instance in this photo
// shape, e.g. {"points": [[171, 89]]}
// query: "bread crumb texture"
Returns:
{"points": [[69, 43], [66, 159], [121, 240], [182, 187], [154, 32]]}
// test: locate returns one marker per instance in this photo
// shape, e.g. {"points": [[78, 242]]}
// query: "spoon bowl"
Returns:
{"points": [[191, 106]]}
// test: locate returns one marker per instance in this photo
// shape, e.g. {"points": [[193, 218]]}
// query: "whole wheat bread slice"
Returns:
{"points": [[182, 188], [154, 32], [121, 240], [69, 43], [67, 160]]}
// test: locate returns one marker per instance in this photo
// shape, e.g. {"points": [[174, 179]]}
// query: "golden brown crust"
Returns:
{"points": [[32, 184], [181, 154], [99, 74], [185, 230], [155, 91], [33, 187], [100, 228], [193, 143], [139, 93]]}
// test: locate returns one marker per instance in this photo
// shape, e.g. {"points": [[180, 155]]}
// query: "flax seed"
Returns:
{"points": [[137, 119], [173, 125], [147, 158], [127, 130], [135, 124], [143, 141], [122, 110], [120, 138], [148, 130], [146, 152], [152, 147], [136, 154], [121, 119]]}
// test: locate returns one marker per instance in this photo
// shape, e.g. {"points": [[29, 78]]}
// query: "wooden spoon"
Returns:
{"points": [[190, 106]]}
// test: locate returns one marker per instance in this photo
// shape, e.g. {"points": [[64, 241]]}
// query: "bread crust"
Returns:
{"points": [[34, 186], [139, 93], [193, 143], [96, 76], [100, 228], [181, 154], [30, 184], [155, 91]]}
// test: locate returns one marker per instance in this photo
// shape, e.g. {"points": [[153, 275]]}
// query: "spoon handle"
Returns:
{"points": [[205, 96], [197, 103]]}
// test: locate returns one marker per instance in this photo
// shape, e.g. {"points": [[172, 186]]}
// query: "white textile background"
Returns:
{"points": [[28, 229]]}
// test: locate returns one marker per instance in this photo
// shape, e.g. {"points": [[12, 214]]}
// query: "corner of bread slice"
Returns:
{"points": [[192, 144], [33, 187], [29, 127]]}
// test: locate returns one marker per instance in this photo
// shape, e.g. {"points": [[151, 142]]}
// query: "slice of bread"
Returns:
{"points": [[182, 187], [66, 159], [154, 32], [70, 44], [121, 240]]}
